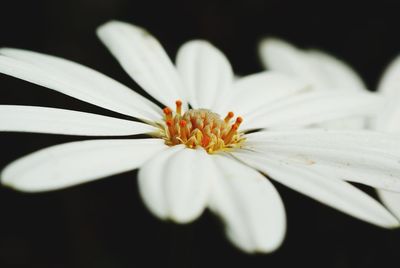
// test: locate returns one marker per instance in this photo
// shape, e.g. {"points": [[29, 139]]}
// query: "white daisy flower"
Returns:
{"points": [[325, 72], [195, 159]]}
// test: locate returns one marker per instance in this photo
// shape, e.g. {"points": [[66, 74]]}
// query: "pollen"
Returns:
{"points": [[201, 128]]}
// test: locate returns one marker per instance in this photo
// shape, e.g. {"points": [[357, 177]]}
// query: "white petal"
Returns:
{"points": [[73, 163], [206, 72], [320, 69], [360, 156], [336, 73], [281, 56], [59, 121], [390, 81], [352, 122], [175, 184], [322, 187], [144, 59], [77, 81], [255, 91], [250, 206], [388, 117], [312, 107], [391, 201]]}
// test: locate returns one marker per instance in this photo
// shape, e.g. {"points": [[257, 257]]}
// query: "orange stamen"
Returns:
{"points": [[170, 125], [229, 116], [205, 141], [230, 134], [178, 107], [183, 129], [239, 120], [168, 113]]}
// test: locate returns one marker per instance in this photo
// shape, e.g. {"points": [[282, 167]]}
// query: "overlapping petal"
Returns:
{"points": [[77, 81], [249, 205], [74, 163], [59, 121]]}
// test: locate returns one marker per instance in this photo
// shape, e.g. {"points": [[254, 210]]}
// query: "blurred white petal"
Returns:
{"points": [[388, 117], [74, 163], [77, 81], [281, 56], [249, 205], [335, 73], [175, 184], [59, 121], [323, 71], [144, 59], [390, 81]]}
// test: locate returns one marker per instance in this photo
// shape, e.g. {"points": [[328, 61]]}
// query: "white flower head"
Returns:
{"points": [[194, 158]]}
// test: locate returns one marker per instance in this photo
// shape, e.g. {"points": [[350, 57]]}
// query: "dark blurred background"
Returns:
{"points": [[104, 223]]}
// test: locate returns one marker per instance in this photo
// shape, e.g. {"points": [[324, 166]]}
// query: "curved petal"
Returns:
{"points": [[312, 107], [318, 68], [387, 119], [74, 163], [360, 156], [175, 184], [249, 205], [206, 72], [336, 73], [253, 92], [67, 122], [278, 55], [391, 200], [144, 59], [323, 188], [77, 81], [390, 81]]}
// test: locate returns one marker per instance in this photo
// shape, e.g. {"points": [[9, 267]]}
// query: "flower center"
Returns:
{"points": [[201, 127]]}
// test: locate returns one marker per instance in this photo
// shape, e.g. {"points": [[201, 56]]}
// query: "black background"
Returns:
{"points": [[104, 223]]}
